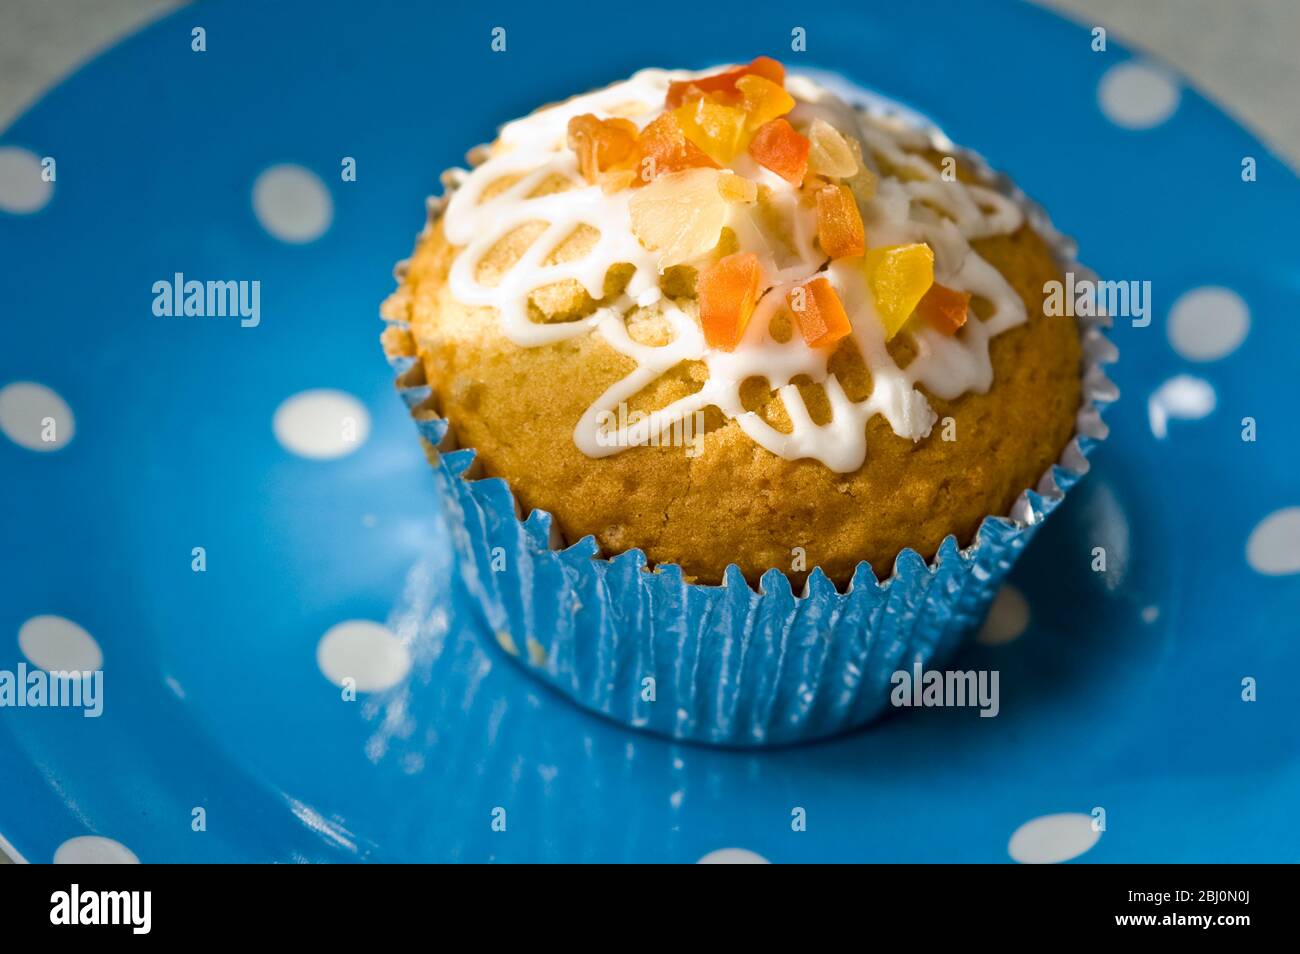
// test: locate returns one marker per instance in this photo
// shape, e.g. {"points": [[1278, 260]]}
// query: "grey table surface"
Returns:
{"points": [[1240, 53]]}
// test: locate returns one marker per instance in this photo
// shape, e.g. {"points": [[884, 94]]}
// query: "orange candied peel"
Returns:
{"points": [[728, 291], [778, 147], [899, 276], [600, 144], [663, 147], [839, 223], [944, 308], [722, 86], [819, 313]]}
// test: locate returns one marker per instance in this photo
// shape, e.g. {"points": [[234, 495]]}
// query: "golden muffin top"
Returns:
{"points": [[725, 318], [781, 199]]}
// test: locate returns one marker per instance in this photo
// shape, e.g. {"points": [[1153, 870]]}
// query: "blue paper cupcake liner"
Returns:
{"points": [[731, 664]]}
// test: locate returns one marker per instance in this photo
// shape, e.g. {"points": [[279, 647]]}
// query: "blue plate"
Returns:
{"points": [[1126, 730]]}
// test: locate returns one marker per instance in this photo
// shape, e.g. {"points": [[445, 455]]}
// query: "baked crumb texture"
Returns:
{"points": [[734, 501]]}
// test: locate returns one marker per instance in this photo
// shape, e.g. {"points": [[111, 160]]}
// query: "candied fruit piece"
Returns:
{"points": [[899, 275], [722, 86], [944, 308], [762, 100], [839, 223], [863, 181], [663, 148], [778, 147], [768, 68], [736, 188], [680, 215], [819, 313], [728, 291], [863, 185], [715, 128], [687, 90], [623, 177], [600, 143], [830, 154], [728, 244]]}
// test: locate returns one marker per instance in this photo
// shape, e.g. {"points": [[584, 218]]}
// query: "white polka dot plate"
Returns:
{"points": [[225, 625]]}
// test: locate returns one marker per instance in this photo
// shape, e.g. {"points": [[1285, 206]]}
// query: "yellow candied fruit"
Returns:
{"points": [[763, 100], [717, 129], [616, 179], [736, 188], [899, 276]]}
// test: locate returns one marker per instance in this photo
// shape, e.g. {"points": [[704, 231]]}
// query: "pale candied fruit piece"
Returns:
{"points": [[680, 215], [736, 188], [899, 275], [830, 154], [862, 182], [772, 218], [624, 177], [863, 185]]}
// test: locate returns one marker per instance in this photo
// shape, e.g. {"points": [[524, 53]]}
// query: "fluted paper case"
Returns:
{"points": [[731, 664]]}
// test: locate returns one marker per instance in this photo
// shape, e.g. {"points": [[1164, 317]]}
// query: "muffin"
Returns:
{"points": [[734, 341]]}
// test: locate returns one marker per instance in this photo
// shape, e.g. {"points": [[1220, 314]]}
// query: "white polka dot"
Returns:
{"points": [[1182, 398], [22, 188], [292, 203], [1138, 95], [57, 644], [366, 652], [1008, 617], [33, 416], [1051, 839], [733, 856], [1150, 614], [94, 850], [1208, 323], [321, 423], [1274, 545]]}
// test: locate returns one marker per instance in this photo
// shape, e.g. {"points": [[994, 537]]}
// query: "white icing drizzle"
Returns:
{"points": [[902, 211]]}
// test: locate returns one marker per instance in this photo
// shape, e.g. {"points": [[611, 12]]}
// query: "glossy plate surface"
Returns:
{"points": [[1120, 690]]}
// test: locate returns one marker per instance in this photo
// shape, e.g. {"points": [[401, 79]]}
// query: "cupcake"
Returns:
{"points": [[740, 399]]}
